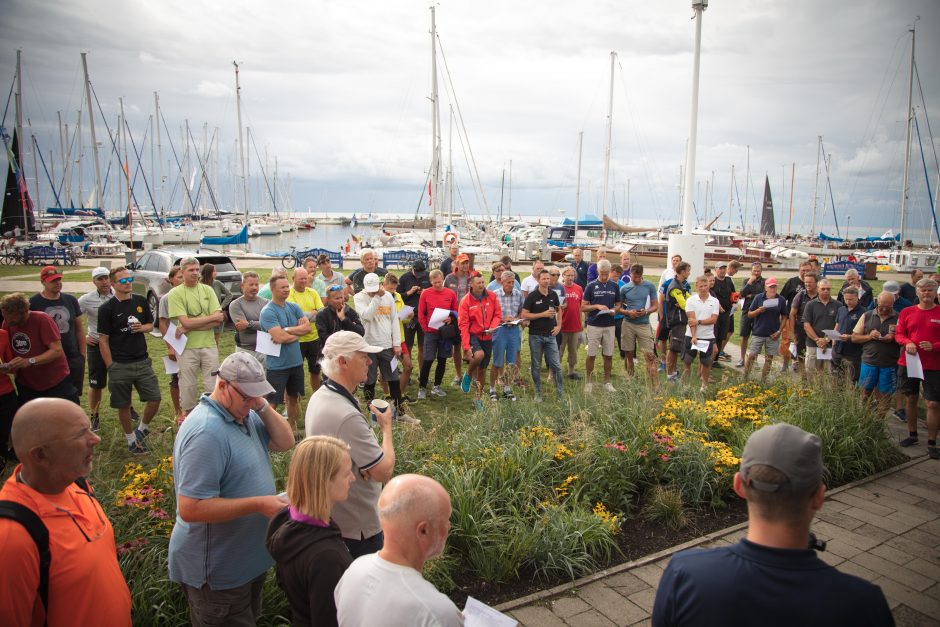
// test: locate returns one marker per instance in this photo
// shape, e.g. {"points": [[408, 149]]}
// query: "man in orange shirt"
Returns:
{"points": [[55, 443]]}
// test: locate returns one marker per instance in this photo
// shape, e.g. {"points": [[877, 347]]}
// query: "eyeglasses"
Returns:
{"points": [[244, 396], [334, 288], [825, 289], [126, 280]]}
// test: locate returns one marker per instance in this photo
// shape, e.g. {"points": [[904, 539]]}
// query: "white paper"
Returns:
{"points": [[266, 346], [833, 335], [771, 302], [512, 323], [561, 301], [406, 312], [647, 305], [178, 344], [438, 316], [793, 350], [479, 614], [824, 354], [606, 312], [393, 364], [700, 346], [915, 369], [170, 365]]}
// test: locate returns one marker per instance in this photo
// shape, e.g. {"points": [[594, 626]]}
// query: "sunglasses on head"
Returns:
{"points": [[334, 288], [126, 280]]}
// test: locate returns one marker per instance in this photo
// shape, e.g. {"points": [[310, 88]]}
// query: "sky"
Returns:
{"points": [[338, 92]]}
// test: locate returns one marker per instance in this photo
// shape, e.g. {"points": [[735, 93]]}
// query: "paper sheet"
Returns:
{"points": [[700, 346], [512, 323], [438, 316], [266, 346], [647, 305], [771, 302], [833, 335], [793, 350], [824, 354], [479, 614], [178, 344], [170, 365], [393, 364], [406, 312], [606, 312], [915, 369]]}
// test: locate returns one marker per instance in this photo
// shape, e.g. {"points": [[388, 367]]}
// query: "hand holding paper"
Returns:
{"points": [[438, 316], [266, 346], [178, 344]]}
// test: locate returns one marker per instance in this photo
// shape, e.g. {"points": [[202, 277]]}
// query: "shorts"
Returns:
{"points": [[412, 332], [910, 387], [799, 336], [476, 344], [784, 348], [677, 338], [77, 371], [126, 377], [704, 357], [290, 380], [259, 356], [175, 380], [97, 371], [636, 337], [434, 347], [62, 389], [600, 337], [746, 324], [811, 361], [382, 363], [662, 331], [721, 327], [769, 345], [886, 379], [310, 351], [507, 342]]}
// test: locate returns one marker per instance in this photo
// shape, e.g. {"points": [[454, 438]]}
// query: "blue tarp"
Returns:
{"points": [[241, 238], [822, 237], [86, 212], [588, 220]]}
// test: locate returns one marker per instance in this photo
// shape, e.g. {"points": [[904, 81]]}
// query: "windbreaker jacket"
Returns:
{"points": [[478, 316]]}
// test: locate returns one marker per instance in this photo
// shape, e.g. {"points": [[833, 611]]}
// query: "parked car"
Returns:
{"points": [[151, 269]]}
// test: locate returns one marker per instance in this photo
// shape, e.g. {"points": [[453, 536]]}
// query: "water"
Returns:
{"points": [[330, 236]]}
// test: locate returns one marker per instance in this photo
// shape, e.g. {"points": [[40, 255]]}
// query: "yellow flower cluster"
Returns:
{"points": [[147, 490], [562, 452], [537, 436], [563, 488], [611, 521], [723, 456]]}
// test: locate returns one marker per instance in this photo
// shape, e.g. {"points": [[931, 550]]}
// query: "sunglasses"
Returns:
{"points": [[334, 288], [126, 280]]}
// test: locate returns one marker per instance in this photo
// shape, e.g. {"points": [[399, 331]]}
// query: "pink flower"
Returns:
{"points": [[642, 453], [665, 458], [159, 513]]}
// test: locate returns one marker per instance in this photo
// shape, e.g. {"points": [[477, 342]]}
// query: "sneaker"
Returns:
{"points": [[703, 389], [933, 452], [137, 448], [588, 387], [422, 394], [478, 404], [141, 435], [438, 391], [673, 377], [908, 441], [95, 422], [901, 414], [723, 356], [610, 387], [717, 364], [135, 417], [493, 395], [407, 419], [661, 367], [455, 382], [508, 395], [465, 383], [538, 398], [739, 363], [574, 376]]}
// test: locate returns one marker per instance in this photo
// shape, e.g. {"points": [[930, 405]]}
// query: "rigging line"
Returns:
{"points": [[6, 107], [832, 200], [264, 175], [453, 92], [139, 169], [179, 166], [424, 188], [204, 177], [49, 178], [920, 88], [927, 177]]}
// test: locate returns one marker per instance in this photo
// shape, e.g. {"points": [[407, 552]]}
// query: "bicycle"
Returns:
{"points": [[291, 259]]}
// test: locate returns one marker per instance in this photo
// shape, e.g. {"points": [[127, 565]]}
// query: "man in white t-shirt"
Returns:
{"points": [[531, 282], [386, 588], [702, 309]]}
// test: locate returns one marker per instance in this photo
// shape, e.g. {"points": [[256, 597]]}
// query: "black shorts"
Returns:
{"points": [[476, 344], [662, 331], [677, 338], [617, 327], [175, 380], [705, 358], [746, 323], [910, 387], [310, 351], [412, 332], [434, 347], [97, 373], [77, 372], [63, 389], [290, 380], [800, 338], [722, 327]]}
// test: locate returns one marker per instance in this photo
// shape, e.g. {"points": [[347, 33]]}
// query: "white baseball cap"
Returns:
{"points": [[100, 271], [346, 343], [371, 282]]}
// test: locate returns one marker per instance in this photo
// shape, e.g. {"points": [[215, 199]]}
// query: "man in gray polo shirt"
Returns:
{"points": [[333, 410], [246, 313], [225, 495]]}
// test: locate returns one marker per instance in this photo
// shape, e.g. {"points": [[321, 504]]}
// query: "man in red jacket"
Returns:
{"points": [[477, 316], [919, 333]]}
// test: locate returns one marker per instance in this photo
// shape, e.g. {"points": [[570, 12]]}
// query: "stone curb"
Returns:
{"points": [[583, 581]]}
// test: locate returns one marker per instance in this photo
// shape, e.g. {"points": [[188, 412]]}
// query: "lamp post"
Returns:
{"points": [[691, 247]]}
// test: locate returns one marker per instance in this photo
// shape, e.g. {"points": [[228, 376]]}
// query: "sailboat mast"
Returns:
{"points": [[156, 108], [792, 182], [747, 185], [434, 179], [577, 196], [241, 141], [731, 197], [905, 187], [816, 191], [450, 168], [18, 101], [610, 130], [122, 134], [509, 213], [91, 128]]}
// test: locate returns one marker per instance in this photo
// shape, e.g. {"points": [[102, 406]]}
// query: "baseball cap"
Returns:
{"points": [[419, 265], [49, 273], [892, 287], [346, 342], [721, 264], [462, 257], [100, 271], [770, 282], [247, 372], [788, 449], [371, 282]]}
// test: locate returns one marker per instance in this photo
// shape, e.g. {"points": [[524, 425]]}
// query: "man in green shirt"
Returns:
{"points": [[195, 310]]}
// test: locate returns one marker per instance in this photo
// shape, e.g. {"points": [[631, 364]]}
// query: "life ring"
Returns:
{"points": [[450, 238]]}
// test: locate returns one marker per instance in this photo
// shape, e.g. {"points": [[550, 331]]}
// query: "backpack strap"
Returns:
{"points": [[40, 535]]}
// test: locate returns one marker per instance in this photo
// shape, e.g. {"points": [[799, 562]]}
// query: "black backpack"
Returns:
{"points": [[40, 535]]}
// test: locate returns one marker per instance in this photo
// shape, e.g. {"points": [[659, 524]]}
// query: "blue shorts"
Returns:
{"points": [[885, 378], [507, 342]]}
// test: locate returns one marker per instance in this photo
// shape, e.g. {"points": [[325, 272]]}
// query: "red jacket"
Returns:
{"points": [[477, 316], [430, 300]]}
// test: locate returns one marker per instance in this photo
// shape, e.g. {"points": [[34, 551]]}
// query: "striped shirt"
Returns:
{"points": [[510, 304]]}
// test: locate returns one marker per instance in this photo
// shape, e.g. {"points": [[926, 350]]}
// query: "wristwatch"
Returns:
{"points": [[32, 361]]}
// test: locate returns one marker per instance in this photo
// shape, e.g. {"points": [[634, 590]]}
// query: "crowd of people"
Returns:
{"points": [[348, 538]]}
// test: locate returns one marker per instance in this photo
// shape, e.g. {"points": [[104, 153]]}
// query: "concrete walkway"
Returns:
{"points": [[885, 529]]}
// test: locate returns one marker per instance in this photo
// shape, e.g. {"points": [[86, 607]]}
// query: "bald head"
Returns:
{"points": [[300, 279], [415, 514], [886, 299]]}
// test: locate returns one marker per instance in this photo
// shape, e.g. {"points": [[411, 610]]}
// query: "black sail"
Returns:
{"points": [[767, 217]]}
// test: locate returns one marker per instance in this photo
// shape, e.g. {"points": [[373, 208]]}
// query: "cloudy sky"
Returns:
{"points": [[338, 92]]}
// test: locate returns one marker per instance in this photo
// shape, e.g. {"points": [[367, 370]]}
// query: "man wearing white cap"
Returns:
{"points": [[97, 372], [773, 577], [334, 410], [376, 309], [225, 494]]}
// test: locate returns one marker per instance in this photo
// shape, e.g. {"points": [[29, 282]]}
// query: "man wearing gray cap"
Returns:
{"points": [[334, 410], [772, 577], [225, 495], [97, 372]]}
